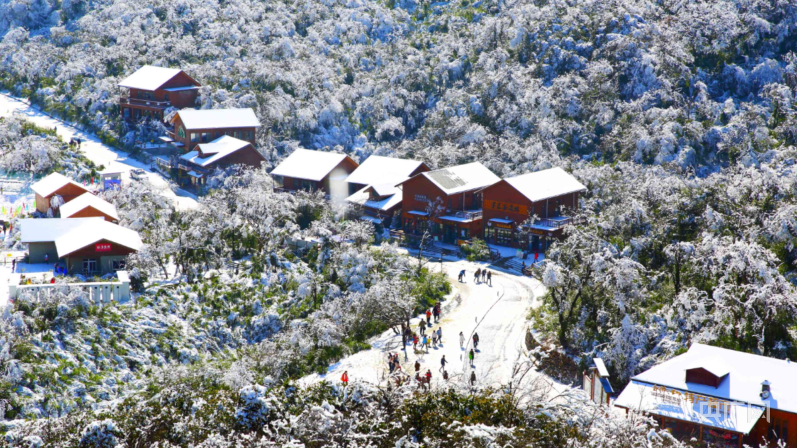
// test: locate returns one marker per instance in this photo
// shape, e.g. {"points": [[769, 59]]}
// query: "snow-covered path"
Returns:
{"points": [[93, 148], [498, 313]]}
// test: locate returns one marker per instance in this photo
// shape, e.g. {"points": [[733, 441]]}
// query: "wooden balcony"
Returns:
{"points": [[151, 104]]}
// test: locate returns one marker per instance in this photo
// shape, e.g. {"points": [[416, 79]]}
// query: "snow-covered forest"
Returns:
{"points": [[679, 117]]}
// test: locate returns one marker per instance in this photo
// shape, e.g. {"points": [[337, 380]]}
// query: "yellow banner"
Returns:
{"points": [[505, 207]]}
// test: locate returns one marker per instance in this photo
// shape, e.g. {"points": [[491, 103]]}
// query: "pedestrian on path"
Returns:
{"points": [[443, 363], [476, 341], [428, 318], [536, 256], [417, 367], [461, 276], [490, 278], [345, 378], [415, 342], [461, 340], [472, 379], [439, 335], [477, 275], [484, 275], [422, 327], [425, 344], [470, 357]]}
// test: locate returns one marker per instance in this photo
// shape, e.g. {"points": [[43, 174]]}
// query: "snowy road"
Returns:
{"points": [[94, 149], [498, 313]]}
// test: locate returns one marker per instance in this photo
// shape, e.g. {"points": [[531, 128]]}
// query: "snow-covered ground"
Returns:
{"points": [[498, 313], [94, 149]]}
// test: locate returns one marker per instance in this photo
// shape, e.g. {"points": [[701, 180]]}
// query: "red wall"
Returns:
{"points": [[215, 133], [505, 193]]}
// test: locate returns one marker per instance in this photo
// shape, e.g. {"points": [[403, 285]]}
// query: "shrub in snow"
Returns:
{"points": [[254, 406], [100, 434]]}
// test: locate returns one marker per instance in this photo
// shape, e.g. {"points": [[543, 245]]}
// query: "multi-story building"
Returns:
{"points": [[195, 126], [526, 211], [152, 90], [194, 166], [446, 202], [55, 184], [312, 170]]}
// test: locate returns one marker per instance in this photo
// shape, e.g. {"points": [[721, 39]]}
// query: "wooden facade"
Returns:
{"points": [[247, 155], [459, 220], [506, 210], [180, 91], [189, 138], [781, 425], [91, 212], [68, 192]]}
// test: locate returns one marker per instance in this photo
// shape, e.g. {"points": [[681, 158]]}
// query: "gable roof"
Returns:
{"points": [[52, 183], [461, 178], [378, 170], [362, 197], [309, 164], [150, 78], [215, 150], [217, 118], [88, 200], [70, 235], [746, 372], [545, 184]]}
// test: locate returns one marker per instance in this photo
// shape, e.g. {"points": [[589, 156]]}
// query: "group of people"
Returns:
{"points": [[480, 276], [436, 336], [75, 142]]}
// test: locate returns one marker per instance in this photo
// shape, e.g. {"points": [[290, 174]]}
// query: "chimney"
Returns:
{"points": [[765, 390]]}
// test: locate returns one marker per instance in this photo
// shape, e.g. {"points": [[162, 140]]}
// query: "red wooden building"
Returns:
{"points": [[194, 167], [152, 90], [89, 205], [447, 202], [312, 170], [510, 205], [195, 126], [55, 184]]}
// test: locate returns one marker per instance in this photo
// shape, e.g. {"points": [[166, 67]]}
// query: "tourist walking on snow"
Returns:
{"points": [[422, 327], [477, 275], [461, 277], [472, 379], [439, 335], [428, 318], [490, 278], [443, 363], [470, 357], [461, 340], [345, 378], [476, 341], [484, 275]]}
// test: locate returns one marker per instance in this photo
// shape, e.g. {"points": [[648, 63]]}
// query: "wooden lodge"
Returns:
{"points": [[89, 205], [446, 202], [55, 184], [195, 166], [152, 90], [311, 170], [719, 398], [527, 211], [196, 126]]}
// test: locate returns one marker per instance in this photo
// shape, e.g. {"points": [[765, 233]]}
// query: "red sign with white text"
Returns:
{"points": [[102, 247]]}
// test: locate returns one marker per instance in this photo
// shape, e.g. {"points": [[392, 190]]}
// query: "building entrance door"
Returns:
{"points": [[449, 233], [89, 266]]}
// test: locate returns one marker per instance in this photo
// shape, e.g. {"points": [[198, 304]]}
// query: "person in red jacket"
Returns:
{"points": [[345, 378]]}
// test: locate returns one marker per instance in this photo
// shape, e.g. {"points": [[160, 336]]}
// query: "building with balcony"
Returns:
{"points": [[55, 184], [152, 90], [373, 186], [526, 211], [715, 397], [446, 202], [195, 126], [310, 170], [194, 166], [87, 246]]}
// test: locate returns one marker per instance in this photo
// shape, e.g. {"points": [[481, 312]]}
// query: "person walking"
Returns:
{"points": [[428, 318], [425, 344], [477, 275], [461, 340], [445, 375], [436, 312], [345, 378], [484, 275], [439, 335], [415, 342], [476, 341], [490, 278], [462, 276], [470, 357], [443, 363], [536, 256], [417, 367], [422, 327], [14, 265], [472, 379]]}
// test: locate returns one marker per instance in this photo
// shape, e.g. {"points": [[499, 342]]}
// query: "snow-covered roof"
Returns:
{"points": [[732, 416], [70, 235], [52, 183], [502, 221], [545, 184], [308, 164], [218, 118], [88, 200], [378, 170], [149, 78], [362, 197], [745, 374], [461, 178], [215, 150], [602, 370]]}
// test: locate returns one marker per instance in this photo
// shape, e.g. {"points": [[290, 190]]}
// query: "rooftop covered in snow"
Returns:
{"points": [[379, 170], [545, 184], [363, 197], [88, 200], [218, 118], [70, 235], [214, 151], [151, 78], [462, 178], [52, 183], [308, 164]]}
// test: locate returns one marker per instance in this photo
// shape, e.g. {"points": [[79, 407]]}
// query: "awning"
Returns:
{"points": [[502, 221], [178, 144], [194, 174], [417, 212], [371, 218], [456, 218], [165, 139], [689, 407]]}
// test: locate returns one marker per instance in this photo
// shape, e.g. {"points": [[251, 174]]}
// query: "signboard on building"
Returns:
{"points": [[421, 198], [505, 207], [102, 247]]}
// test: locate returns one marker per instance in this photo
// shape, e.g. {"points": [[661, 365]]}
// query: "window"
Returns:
{"points": [[89, 266], [118, 265], [195, 137], [166, 97], [464, 233], [144, 95], [205, 137]]}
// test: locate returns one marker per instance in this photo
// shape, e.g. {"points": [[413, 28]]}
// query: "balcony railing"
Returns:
{"points": [[145, 103], [555, 223], [472, 215]]}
